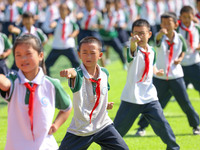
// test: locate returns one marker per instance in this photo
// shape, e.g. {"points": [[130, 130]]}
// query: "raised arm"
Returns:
{"points": [[133, 44], [5, 54], [160, 34], [68, 73], [14, 29], [5, 83], [53, 24]]}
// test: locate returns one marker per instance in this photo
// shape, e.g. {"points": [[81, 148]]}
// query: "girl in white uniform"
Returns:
{"points": [[32, 97]]}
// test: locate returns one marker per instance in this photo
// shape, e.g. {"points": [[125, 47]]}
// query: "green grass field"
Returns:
{"points": [[173, 113]]}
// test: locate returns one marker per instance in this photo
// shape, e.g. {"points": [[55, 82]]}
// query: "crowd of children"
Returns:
{"points": [[108, 20], [155, 72]]}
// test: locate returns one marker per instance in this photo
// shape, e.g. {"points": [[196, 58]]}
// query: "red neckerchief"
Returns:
{"points": [[171, 50], [131, 13], [51, 13], [110, 21], [63, 30], [31, 103], [28, 6], [11, 14], [169, 7], [189, 32], [91, 14], [158, 8], [197, 15], [98, 91], [146, 69]]}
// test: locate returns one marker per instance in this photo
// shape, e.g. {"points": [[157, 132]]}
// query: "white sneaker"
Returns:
{"points": [[125, 67], [140, 132], [196, 131]]}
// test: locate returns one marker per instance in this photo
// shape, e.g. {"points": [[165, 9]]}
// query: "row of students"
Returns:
{"points": [[90, 123], [97, 126], [94, 78], [171, 46], [147, 9], [168, 75], [189, 69], [118, 36]]}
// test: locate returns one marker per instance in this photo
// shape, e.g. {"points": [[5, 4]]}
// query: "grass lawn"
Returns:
{"points": [[173, 113]]}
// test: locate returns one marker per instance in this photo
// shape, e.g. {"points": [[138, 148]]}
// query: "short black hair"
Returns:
{"points": [[64, 6], [27, 14], [109, 1], [169, 15], [91, 39], [187, 9], [140, 23]]}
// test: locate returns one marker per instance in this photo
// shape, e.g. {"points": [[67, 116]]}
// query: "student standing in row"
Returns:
{"points": [[12, 16], [64, 39], [90, 22], [28, 28], [170, 48], [109, 33], [139, 94], [51, 14], [89, 84], [32, 98], [191, 61], [5, 51]]}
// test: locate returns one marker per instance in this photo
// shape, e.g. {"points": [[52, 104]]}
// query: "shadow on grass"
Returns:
{"points": [[152, 136], [3, 103], [175, 116], [3, 117]]}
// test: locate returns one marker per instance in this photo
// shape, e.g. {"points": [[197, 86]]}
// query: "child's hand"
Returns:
{"points": [[163, 31], [110, 105], [68, 73], [5, 83], [95, 26], [53, 24], [53, 129], [69, 36], [176, 62], [2, 56], [134, 40], [10, 28], [160, 72]]}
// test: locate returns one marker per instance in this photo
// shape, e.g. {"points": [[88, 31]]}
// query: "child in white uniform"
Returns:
{"points": [[171, 48], [191, 61], [5, 51], [139, 94], [12, 16], [89, 84], [32, 98], [31, 6], [64, 39], [28, 28], [52, 14]]}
